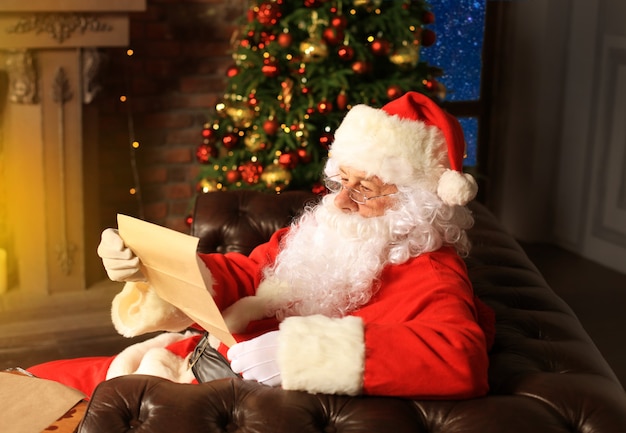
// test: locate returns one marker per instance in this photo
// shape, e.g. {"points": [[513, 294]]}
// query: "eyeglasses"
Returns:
{"points": [[355, 195]]}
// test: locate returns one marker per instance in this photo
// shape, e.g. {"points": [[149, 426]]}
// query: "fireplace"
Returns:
{"points": [[49, 60]]}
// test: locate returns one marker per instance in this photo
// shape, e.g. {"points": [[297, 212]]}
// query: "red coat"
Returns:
{"points": [[419, 333]]}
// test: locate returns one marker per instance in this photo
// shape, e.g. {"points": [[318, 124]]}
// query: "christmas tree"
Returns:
{"points": [[298, 67]]}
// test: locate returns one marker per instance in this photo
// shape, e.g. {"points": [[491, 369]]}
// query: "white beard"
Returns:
{"points": [[329, 263]]}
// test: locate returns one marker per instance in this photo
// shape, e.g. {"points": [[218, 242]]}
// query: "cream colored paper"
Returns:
{"points": [[29, 405], [172, 266]]}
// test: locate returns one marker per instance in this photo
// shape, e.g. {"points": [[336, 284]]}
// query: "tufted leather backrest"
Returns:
{"points": [[545, 374], [238, 221]]}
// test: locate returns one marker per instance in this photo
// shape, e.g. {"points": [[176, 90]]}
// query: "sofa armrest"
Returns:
{"points": [[149, 404]]}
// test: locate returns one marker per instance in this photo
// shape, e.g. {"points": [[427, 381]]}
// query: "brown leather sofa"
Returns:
{"points": [[546, 375]]}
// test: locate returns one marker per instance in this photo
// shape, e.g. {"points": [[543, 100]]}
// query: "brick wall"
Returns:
{"points": [[172, 81]]}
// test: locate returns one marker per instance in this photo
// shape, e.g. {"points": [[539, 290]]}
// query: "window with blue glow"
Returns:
{"points": [[459, 26]]}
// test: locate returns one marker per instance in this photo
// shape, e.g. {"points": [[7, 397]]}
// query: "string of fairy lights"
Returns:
{"points": [[135, 189]]}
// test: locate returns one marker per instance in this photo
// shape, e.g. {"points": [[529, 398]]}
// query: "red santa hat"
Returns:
{"points": [[410, 142]]}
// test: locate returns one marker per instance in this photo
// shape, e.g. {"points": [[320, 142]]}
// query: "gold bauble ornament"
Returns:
{"points": [[240, 114], [241, 59], [254, 142], [207, 185], [407, 56], [276, 177], [286, 93], [369, 5], [313, 50]]}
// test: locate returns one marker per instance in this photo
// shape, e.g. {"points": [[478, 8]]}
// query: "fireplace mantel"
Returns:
{"points": [[72, 5], [49, 57]]}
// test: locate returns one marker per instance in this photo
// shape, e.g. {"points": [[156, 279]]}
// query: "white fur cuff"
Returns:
{"points": [[137, 310], [319, 354], [151, 357]]}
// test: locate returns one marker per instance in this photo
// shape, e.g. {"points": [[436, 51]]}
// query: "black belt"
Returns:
{"points": [[208, 364]]}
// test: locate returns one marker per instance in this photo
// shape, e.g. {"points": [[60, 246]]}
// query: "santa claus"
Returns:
{"points": [[366, 293]]}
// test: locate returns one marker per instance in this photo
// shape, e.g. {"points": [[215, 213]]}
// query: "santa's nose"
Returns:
{"points": [[344, 202]]}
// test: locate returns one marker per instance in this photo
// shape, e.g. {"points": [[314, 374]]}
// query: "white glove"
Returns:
{"points": [[119, 261], [256, 359]]}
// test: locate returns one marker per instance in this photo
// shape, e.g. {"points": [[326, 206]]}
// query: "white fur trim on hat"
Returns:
{"points": [[137, 310], [319, 354], [399, 151]]}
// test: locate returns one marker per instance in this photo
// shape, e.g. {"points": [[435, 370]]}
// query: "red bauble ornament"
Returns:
{"points": [[333, 35], [230, 140], [288, 160], [428, 37], [428, 17], [267, 36], [324, 107], [345, 52], [269, 13], [208, 133], [380, 47], [285, 39], [361, 67], [270, 69], [250, 172], [394, 92], [252, 100], [232, 71], [270, 126], [342, 100], [326, 139], [303, 155], [189, 220], [319, 189], [205, 152], [233, 176], [339, 21]]}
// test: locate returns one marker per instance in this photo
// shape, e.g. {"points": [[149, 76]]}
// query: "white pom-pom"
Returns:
{"points": [[456, 188]]}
